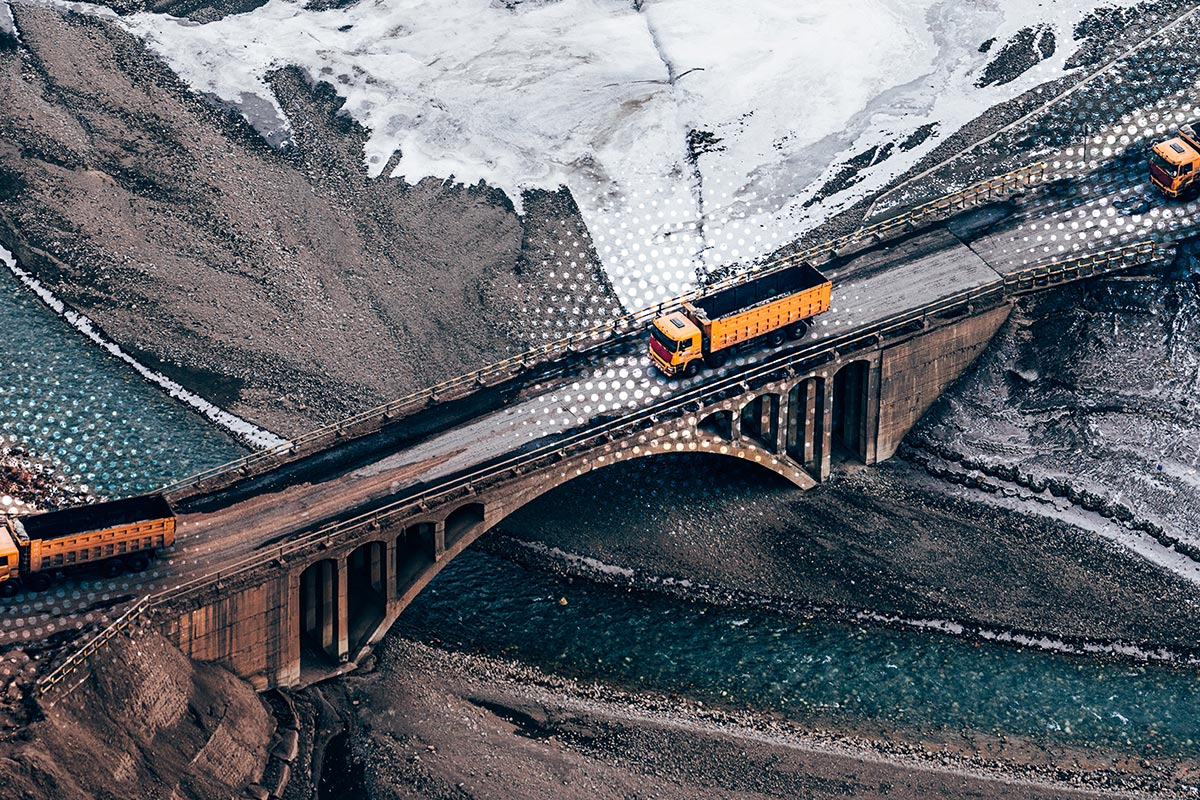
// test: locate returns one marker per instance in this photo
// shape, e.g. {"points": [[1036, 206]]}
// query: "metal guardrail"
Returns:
{"points": [[80, 656], [597, 336], [1024, 281]]}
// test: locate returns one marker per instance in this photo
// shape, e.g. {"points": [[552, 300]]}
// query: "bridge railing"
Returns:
{"points": [[1086, 266], [818, 352], [598, 336]]}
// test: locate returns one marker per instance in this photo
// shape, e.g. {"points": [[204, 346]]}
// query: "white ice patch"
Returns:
{"points": [[593, 564], [600, 96], [246, 431], [7, 23], [1025, 640]]}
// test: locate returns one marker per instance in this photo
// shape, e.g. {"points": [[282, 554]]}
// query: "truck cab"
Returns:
{"points": [[1175, 163], [10, 556], [675, 345]]}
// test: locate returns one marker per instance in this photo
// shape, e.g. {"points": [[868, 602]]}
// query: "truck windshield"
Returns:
{"points": [[670, 344], [1163, 164]]}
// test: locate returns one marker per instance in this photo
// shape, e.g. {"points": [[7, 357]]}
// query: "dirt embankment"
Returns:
{"points": [[147, 723], [287, 286]]}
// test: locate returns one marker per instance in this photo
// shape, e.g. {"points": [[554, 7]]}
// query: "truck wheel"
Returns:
{"points": [[797, 330], [138, 562], [10, 587], [113, 567], [717, 360], [691, 369], [38, 582], [775, 338]]}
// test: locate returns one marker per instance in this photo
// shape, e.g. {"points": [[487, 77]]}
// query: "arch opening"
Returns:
{"points": [[366, 592], [319, 615], [759, 421], [463, 521], [806, 412], [416, 551], [850, 402], [719, 423]]}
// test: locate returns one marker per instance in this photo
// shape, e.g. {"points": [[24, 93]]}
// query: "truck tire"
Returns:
{"points": [[38, 582], [797, 329], [775, 338], [10, 587], [717, 360], [691, 369], [137, 562]]}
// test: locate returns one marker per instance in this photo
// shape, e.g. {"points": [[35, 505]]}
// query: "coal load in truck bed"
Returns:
{"points": [[760, 290], [54, 524]]}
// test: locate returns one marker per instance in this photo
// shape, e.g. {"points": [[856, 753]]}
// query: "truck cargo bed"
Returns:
{"points": [[99, 516], [757, 308], [756, 292]]}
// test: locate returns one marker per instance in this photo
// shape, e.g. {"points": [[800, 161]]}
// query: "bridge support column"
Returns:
{"points": [[766, 417], [783, 425], [328, 615], [824, 456], [390, 591], [439, 540], [871, 421], [808, 396], [287, 671], [735, 423], [341, 612]]}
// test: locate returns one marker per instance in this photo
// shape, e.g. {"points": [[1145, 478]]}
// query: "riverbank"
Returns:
{"points": [[431, 723]]}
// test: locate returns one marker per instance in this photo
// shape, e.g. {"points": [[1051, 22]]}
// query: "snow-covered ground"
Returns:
{"points": [[691, 132], [7, 24]]}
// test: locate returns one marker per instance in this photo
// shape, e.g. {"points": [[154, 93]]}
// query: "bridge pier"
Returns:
{"points": [[823, 436]]}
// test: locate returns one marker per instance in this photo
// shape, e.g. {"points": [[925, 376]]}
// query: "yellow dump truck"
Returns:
{"points": [[119, 535], [768, 308], [1175, 163]]}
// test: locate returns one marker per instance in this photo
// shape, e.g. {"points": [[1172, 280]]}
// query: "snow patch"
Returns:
{"points": [[7, 23], [1048, 643], [573, 558], [243, 430], [692, 133]]}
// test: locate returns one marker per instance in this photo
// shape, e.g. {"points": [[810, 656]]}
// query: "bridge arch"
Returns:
{"points": [[471, 520], [345, 603]]}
